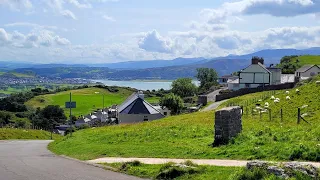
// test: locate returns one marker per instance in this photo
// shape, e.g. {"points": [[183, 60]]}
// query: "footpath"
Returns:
{"points": [[210, 162]]}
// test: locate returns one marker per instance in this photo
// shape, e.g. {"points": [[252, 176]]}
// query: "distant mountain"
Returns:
{"points": [[149, 64], [275, 54], [57, 65], [10, 65]]}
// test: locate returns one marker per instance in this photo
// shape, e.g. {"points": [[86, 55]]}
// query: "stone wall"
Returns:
{"points": [[228, 124]]}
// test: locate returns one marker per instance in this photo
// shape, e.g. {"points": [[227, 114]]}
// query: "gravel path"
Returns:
{"points": [[211, 162], [213, 106]]}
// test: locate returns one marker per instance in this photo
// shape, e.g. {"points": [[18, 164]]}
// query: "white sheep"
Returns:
{"points": [[287, 92], [260, 100], [297, 91], [272, 98], [288, 98], [304, 106], [266, 104], [276, 100]]}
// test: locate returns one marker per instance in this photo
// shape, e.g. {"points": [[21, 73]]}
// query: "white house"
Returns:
{"points": [[307, 71], [135, 109], [256, 74]]}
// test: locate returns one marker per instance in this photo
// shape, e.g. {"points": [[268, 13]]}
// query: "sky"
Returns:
{"points": [[106, 31]]}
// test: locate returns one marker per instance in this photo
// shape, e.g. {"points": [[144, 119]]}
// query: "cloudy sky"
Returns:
{"points": [[102, 31]]}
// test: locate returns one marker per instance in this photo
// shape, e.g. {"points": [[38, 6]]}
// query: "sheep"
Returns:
{"points": [[304, 106], [297, 91], [277, 100], [266, 104], [260, 100], [288, 98], [287, 92], [317, 82], [272, 98]]}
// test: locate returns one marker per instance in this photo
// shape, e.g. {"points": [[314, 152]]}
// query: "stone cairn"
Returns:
{"points": [[228, 124]]}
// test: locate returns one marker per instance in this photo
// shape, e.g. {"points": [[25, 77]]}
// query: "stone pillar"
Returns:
{"points": [[228, 124]]}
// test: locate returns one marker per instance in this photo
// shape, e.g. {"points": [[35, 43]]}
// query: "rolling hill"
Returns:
{"points": [[88, 99], [190, 135], [12, 133]]}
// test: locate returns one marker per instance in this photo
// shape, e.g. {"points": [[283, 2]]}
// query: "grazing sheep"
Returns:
{"points": [[266, 104], [260, 100], [317, 82], [304, 106], [288, 98], [297, 91], [276, 101], [287, 92], [272, 98]]}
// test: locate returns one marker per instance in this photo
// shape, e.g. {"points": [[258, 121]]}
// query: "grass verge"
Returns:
{"points": [[11, 133]]}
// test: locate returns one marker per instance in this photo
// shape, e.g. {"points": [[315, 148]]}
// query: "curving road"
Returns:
{"points": [[30, 160]]}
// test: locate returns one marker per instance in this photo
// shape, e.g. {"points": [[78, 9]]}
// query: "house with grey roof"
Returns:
{"points": [[307, 71], [256, 74], [136, 109]]}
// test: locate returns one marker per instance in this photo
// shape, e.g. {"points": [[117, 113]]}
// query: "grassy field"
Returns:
{"points": [[191, 135], [152, 171], [303, 60], [11, 133], [87, 99]]}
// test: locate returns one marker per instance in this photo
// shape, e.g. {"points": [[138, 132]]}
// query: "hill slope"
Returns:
{"points": [[9, 133], [190, 136], [87, 99]]}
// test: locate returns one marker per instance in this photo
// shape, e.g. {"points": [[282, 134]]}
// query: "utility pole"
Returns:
{"points": [[70, 116]]}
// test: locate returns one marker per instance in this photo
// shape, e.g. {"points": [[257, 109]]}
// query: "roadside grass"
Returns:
{"points": [[153, 100], [88, 99], [191, 135], [197, 173], [13, 133]]}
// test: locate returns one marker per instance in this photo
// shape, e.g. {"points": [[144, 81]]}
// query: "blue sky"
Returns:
{"points": [[103, 31]]}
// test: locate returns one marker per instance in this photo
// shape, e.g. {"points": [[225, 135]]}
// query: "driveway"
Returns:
{"points": [[30, 160], [213, 106]]}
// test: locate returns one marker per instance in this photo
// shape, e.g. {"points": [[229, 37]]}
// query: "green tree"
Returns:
{"points": [[172, 102], [184, 87], [208, 77], [289, 64], [5, 117], [49, 116]]}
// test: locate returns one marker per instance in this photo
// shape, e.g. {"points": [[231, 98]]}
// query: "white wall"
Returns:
{"points": [[254, 74], [136, 118]]}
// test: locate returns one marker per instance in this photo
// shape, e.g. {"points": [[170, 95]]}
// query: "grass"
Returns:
{"points": [[12, 133], [304, 60], [153, 100], [152, 171], [191, 135], [88, 99]]}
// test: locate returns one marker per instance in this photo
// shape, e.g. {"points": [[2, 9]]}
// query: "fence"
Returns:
{"points": [[241, 92]]}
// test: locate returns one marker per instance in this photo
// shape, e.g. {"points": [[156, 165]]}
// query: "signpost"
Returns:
{"points": [[71, 105]]}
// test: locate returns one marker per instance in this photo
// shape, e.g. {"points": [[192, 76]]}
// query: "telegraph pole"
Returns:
{"points": [[70, 116]]}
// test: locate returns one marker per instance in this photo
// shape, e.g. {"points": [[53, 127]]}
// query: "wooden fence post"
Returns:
{"points": [[260, 115], [299, 115], [281, 115], [270, 115]]}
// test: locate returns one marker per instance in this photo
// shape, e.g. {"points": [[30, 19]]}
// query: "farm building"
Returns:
{"points": [[256, 74], [135, 109], [307, 71]]}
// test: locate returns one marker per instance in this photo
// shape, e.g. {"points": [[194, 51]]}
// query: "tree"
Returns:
{"points": [[184, 87], [172, 102], [49, 116], [289, 64], [208, 77], [5, 117]]}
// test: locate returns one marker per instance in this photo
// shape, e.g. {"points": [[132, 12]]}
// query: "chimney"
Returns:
{"points": [[257, 60]]}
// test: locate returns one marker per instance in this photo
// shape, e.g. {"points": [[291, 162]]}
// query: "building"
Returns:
{"points": [[255, 75], [223, 80], [135, 109], [307, 71]]}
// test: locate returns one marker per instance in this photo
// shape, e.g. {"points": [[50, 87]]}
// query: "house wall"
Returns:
{"points": [[254, 74], [314, 70], [136, 118], [276, 76]]}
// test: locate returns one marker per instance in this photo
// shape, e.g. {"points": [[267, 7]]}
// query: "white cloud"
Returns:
{"points": [[68, 14], [154, 42], [108, 18], [78, 4], [17, 5]]}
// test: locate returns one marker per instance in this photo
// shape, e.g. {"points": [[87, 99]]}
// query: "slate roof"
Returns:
{"points": [[136, 105], [306, 68]]}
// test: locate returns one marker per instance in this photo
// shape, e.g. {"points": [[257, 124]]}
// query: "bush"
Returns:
{"points": [[255, 174], [171, 171]]}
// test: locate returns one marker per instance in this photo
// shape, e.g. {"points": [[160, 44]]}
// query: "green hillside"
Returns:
{"points": [[190, 135], [12, 133], [303, 60], [87, 99]]}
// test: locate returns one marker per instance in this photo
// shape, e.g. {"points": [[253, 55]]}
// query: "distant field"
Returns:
{"points": [[12, 133], [303, 60], [87, 99]]}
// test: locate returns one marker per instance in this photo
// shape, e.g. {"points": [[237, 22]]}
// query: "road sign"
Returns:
{"points": [[71, 105]]}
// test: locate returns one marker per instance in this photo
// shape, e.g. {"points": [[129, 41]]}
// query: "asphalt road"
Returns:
{"points": [[30, 160]]}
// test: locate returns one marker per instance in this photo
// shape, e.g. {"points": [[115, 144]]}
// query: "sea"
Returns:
{"points": [[141, 84]]}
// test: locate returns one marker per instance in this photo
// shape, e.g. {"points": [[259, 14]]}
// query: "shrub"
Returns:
{"points": [[171, 171]]}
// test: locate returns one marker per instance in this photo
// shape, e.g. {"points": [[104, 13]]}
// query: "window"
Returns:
{"points": [[145, 118], [165, 113], [312, 74], [247, 85]]}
